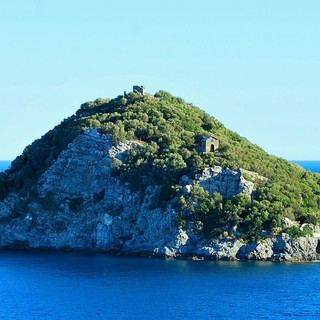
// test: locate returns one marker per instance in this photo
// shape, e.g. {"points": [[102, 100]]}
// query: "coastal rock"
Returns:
{"points": [[79, 205], [281, 248], [299, 249], [262, 250], [219, 249]]}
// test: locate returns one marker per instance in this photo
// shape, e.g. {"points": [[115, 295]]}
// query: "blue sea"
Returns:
{"points": [[94, 286], [4, 165], [309, 165], [51, 285]]}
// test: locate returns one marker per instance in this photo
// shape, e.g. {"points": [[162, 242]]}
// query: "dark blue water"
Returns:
{"points": [[77, 286]]}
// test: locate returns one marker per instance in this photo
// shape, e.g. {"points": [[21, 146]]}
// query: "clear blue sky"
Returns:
{"points": [[254, 65]]}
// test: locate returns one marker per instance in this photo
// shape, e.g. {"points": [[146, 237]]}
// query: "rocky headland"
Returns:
{"points": [[78, 204]]}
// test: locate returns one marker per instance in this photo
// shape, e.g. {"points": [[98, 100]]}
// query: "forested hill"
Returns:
{"points": [[170, 132]]}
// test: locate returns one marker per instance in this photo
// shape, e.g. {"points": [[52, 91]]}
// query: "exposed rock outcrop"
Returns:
{"points": [[227, 182], [79, 205], [281, 248]]}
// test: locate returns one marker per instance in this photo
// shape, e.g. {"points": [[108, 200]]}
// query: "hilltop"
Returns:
{"points": [[154, 152]]}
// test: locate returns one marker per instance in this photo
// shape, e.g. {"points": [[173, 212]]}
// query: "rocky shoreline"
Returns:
{"points": [[279, 249], [80, 206]]}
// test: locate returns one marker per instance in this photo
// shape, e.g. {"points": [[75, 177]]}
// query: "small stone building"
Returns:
{"points": [[209, 144], [139, 89]]}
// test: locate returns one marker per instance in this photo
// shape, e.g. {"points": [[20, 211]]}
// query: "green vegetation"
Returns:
{"points": [[170, 131], [295, 232]]}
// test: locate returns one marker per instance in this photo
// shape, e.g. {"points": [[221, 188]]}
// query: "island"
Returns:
{"points": [[152, 175]]}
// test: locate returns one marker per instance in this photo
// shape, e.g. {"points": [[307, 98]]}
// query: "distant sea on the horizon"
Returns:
{"points": [[309, 165], [4, 165]]}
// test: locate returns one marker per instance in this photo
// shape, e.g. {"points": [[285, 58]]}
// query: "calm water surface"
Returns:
{"points": [[79, 286]]}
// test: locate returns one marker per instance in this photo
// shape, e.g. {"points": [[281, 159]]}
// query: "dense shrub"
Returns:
{"points": [[295, 232]]}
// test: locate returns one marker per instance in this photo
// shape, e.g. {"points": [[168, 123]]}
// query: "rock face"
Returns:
{"points": [[227, 182], [282, 248], [79, 205]]}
